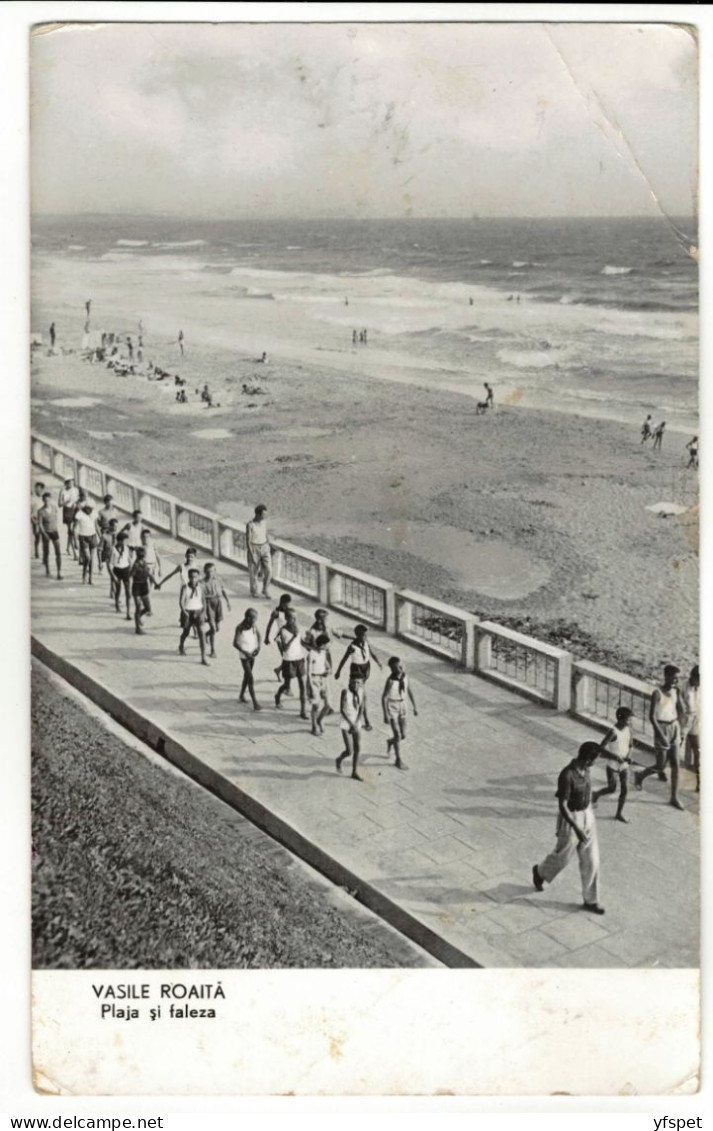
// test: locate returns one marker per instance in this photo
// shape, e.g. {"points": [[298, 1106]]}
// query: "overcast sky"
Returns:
{"points": [[365, 120]]}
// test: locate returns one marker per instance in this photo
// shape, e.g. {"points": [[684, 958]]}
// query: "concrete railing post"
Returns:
{"points": [[390, 612], [323, 582], [484, 651], [404, 618], [563, 683], [582, 701], [215, 538], [468, 654]]}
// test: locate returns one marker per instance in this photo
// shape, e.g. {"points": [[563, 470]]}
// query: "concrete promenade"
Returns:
{"points": [[452, 841]]}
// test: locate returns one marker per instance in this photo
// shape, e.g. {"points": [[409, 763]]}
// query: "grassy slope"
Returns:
{"points": [[136, 867]]}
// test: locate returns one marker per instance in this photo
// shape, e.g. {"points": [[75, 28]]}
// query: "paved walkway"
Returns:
{"points": [[453, 840]]}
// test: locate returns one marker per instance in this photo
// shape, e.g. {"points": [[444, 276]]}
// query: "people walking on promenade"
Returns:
{"points": [[658, 435], [214, 596], [68, 500], [107, 541], [279, 615], [646, 430], [293, 661], [360, 654], [151, 555], [619, 738], [119, 567], [666, 714], [85, 524], [247, 642], [319, 665], [690, 740], [259, 555], [351, 708], [397, 691], [47, 523], [576, 829], [188, 563], [104, 518], [134, 530], [35, 504], [320, 627], [141, 582], [192, 601]]}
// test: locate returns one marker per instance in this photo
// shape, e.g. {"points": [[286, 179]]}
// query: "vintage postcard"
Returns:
{"points": [[364, 558]]}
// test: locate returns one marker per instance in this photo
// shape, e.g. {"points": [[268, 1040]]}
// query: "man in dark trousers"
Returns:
{"points": [[576, 829]]}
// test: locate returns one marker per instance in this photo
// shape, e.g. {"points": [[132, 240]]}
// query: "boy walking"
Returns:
{"points": [[397, 691], [141, 582], [351, 707], [68, 500], [319, 665], [215, 594], [620, 739], [247, 643], [193, 612], [576, 829], [293, 661], [360, 654]]}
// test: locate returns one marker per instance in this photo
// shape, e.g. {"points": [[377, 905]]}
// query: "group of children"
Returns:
{"points": [[674, 714], [133, 566]]}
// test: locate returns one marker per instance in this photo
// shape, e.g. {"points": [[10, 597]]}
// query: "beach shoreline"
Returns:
{"points": [[530, 517]]}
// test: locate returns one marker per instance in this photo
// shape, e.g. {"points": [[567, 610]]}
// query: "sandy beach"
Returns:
{"points": [[534, 518]]}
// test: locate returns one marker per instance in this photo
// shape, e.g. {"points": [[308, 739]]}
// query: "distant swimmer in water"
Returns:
{"points": [[510, 298], [346, 302], [490, 398], [180, 341], [658, 434], [354, 337], [470, 302], [53, 335], [646, 429], [261, 360]]}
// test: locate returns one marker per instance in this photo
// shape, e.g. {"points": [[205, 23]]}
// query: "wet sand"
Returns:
{"points": [[536, 519]]}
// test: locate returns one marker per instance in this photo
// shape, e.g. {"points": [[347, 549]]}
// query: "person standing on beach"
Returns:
{"points": [[215, 594], [351, 707], [397, 691], [666, 714], [646, 429], [193, 607], [576, 829], [247, 643], [141, 582], [293, 661], [47, 522], [692, 449], [68, 500], [360, 654], [658, 434], [53, 335], [88, 306], [180, 341], [119, 567], [319, 665], [259, 554], [621, 738], [490, 397], [35, 505]]}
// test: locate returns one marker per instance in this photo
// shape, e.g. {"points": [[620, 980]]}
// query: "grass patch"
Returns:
{"points": [[135, 867]]}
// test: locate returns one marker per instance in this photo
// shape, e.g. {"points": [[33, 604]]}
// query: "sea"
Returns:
{"points": [[594, 316]]}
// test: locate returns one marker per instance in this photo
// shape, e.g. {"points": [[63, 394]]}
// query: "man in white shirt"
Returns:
{"points": [[85, 525], [666, 714], [259, 563], [35, 504], [68, 500]]}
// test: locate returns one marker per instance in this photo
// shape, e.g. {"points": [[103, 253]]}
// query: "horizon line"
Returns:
{"points": [[40, 215]]}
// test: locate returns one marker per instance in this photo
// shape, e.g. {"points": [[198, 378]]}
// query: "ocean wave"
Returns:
{"points": [[609, 270], [521, 263], [293, 247], [132, 243], [178, 243], [76, 247], [117, 256], [486, 262], [530, 359]]}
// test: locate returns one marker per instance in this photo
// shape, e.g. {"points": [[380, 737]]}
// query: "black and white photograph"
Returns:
{"points": [[364, 520]]}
